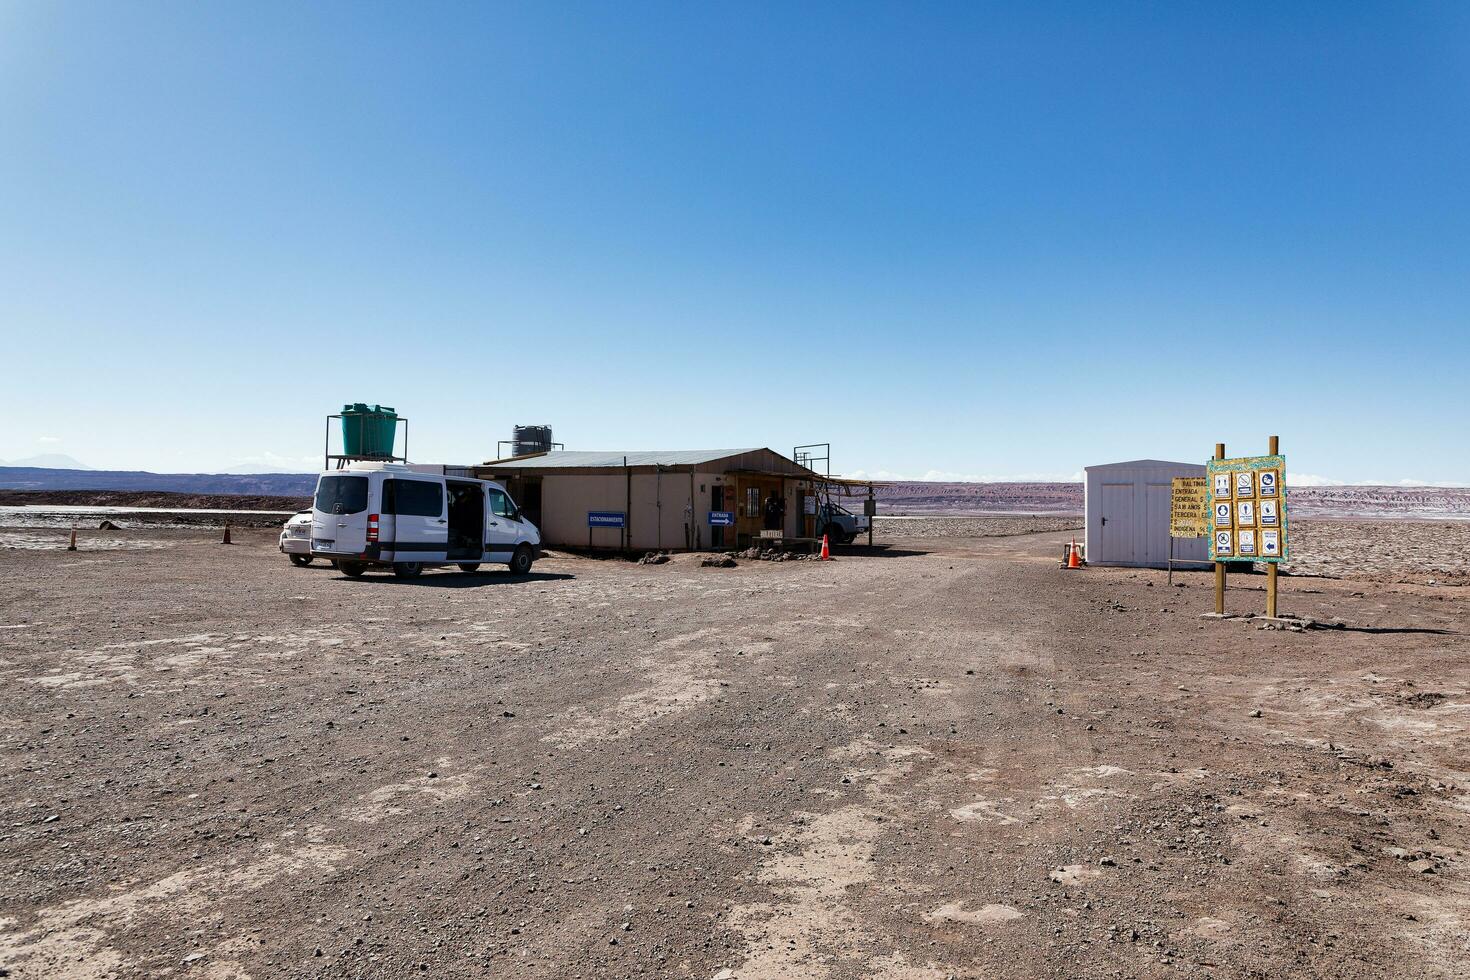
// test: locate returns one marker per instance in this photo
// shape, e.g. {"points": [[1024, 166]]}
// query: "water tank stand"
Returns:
{"points": [[342, 459]]}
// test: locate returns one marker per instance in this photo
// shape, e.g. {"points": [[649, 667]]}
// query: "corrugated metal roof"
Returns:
{"points": [[1142, 464], [568, 459]]}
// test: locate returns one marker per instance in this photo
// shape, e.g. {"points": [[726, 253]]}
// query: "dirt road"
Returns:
{"points": [[944, 759]]}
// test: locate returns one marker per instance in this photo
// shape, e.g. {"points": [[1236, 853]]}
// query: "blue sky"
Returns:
{"points": [[967, 240]]}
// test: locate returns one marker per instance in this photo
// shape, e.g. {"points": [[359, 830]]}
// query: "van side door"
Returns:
{"points": [[421, 522], [502, 524]]}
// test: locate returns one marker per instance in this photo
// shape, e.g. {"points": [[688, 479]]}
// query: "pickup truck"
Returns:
{"points": [[840, 525]]}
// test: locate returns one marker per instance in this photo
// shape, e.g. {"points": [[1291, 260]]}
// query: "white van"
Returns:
{"points": [[386, 515]]}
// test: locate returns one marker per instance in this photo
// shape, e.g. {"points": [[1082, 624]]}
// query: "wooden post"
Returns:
{"points": [[1275, 447], [1220, 565], [872, 517]]}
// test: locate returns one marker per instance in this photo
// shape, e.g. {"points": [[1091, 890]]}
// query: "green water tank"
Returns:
{"points": [[368, 430]]}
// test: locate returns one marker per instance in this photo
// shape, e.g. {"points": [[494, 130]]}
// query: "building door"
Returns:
{"points": [[526, 492], [1117, 523], [750, 504]]}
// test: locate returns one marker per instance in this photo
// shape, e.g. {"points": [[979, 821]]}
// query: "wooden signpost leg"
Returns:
{"points": [[1271, 566], [1220, 565]]}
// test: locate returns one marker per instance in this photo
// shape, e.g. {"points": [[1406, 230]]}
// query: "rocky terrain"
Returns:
{"points": [[979, 498], [960, 499]]}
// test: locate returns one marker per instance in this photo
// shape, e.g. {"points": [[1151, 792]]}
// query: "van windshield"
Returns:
{"points": [[342, 494]]}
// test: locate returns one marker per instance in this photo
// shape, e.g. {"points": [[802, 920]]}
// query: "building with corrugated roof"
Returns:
{"points": [[660, 500], [1127, 514]]}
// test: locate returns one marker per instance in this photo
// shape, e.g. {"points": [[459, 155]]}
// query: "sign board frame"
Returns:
{"points": [[1243, 474]]}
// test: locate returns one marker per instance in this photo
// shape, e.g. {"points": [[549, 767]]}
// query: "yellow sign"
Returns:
{"points": [[1189, 507]]}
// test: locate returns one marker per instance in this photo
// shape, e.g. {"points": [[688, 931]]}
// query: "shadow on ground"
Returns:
{"points": [[464, 580]]}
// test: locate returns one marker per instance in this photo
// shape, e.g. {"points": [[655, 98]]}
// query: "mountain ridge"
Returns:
{"points": [[916, 498], [47, 461], [937, 499], [251, 484]]}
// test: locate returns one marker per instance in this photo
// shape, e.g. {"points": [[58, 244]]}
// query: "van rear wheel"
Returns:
{"points": [[520, 561], [469, 566], [408, 569], [352, 569]]}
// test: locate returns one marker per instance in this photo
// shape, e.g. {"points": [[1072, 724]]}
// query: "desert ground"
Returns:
{"points": [[941, 757]]}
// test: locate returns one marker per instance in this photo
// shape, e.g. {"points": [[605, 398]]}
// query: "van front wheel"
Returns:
{"points": [[408, 569], [301, 561], [352, 569], [520, 561], [469, 566]]}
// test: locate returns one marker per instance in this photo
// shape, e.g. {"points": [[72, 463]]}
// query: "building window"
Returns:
{"points": [[752, 501]]}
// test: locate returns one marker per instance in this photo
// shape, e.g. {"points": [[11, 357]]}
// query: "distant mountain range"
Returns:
{"points": [[48, 461], [966, 499], [254, 484], [894, 499]]}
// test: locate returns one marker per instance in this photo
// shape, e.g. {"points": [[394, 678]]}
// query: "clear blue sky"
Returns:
{"points": [[983, 240]]}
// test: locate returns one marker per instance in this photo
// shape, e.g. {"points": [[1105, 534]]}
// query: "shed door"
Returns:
{"points": [[1157, 503], [1117, 522]]}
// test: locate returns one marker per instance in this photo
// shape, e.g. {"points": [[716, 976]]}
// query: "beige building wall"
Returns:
{"points": [[661, 509], [565, 501]]}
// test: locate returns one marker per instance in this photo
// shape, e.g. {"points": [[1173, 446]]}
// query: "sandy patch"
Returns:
{"points": [[983, 810], [1073, 874], [1206, 927], [677, 678], [985, 915], [809, 919], [395, 798], [74, 939]]}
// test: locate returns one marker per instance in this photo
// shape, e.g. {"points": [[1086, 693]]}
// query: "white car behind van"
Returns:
{"points": [[295, 539], [386, 515]]}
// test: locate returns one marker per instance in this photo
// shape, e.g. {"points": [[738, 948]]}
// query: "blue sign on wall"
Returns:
{"points": [[605, 518], [722, 518]]}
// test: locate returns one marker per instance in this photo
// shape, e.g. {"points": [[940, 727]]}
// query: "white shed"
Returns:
{"points": [[1127, 506]]}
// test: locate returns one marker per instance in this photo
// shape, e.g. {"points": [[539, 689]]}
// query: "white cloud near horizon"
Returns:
{"points": [[48, 440]]}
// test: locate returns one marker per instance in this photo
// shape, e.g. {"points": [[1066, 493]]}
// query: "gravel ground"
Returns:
{"points": [[1408, 551], [937, 758], [1390, 551]]}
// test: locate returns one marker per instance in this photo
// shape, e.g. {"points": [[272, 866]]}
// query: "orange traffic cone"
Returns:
{"points": [[227, 534], [73, 545], [1072, 561], [826, 552]]}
